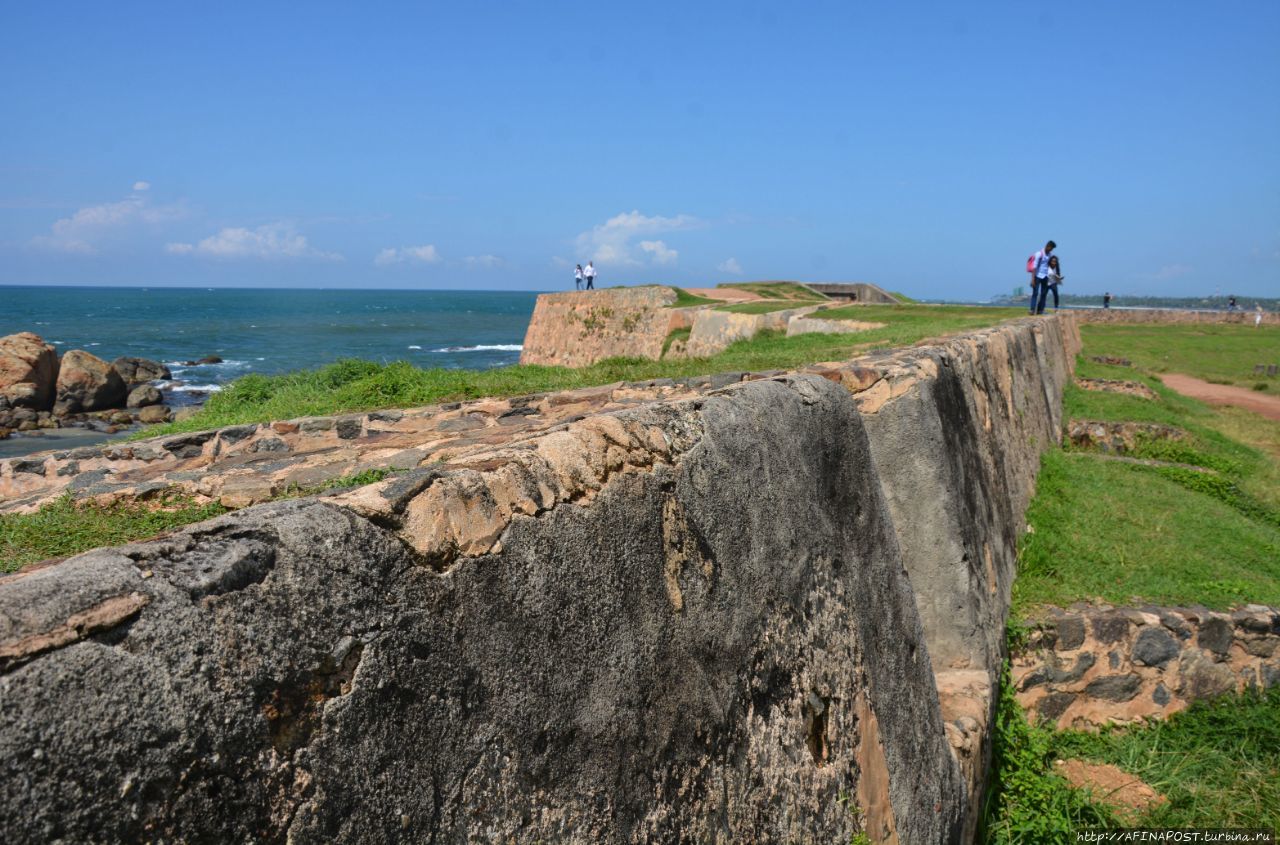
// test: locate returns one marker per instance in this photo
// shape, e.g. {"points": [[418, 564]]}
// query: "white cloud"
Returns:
{"points": [[660, 252], [610, 242], [91, 225], [272, 241], [425, 254], [485, 262], [141, 186], [730, 265]]}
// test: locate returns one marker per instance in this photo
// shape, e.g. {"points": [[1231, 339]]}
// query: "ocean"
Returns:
{"points": [[272, 331], [269, 330]]}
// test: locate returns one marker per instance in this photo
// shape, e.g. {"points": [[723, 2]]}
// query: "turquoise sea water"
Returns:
{"points": [[261, 331], [272, 331]]}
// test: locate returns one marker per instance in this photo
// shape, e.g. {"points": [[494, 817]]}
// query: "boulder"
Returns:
{"points": [[142, 396], [136, 371], [28, 370], [87, 383], [153, 414]]}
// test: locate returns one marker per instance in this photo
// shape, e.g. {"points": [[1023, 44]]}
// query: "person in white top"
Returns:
{"points": [[590, 274], [1040, 276], [577, 277], [1053, 280]]}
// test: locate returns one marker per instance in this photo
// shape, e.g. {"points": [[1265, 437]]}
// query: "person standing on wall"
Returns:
{"points": [[1038, 267], [577, 277], [590, 274], [1106, 299], [1052, 281]]}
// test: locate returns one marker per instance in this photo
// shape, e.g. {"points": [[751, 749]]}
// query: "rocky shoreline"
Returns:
{"points": [[40, 391]]}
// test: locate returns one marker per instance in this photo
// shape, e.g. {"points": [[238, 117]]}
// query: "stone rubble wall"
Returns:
{"points": [[719, 610], [1092, 666]]}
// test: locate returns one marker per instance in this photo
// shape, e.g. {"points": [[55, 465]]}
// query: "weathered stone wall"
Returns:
{"points": [[1168, 315], [578, 328], [714, 618], [1092, 666], [713, 330]]}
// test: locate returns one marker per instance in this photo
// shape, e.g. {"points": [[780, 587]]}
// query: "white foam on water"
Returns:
{"points": [[498, 347], [415, 347], [195, 388]]}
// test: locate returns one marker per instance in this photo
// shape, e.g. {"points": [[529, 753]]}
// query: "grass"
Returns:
{"points": [[66, 527], [1124, 533], [776, 290], [1127, 534], [352, 385], [767, 307], [1224, 353], [675, 335], [1217, 763], [684, 299]]}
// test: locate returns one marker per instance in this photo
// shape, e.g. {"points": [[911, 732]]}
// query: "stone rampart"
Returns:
{"points": [[721, 613], [1092, 666], [578, 328]]}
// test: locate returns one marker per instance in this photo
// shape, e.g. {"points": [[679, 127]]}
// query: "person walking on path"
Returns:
{"points": [[590, 274], [577, 277], [1038, 265], [1052, 280], [1106, 299]]}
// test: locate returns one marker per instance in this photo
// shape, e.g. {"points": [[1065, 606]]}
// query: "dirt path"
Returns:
{"points": [[1224, 394]]}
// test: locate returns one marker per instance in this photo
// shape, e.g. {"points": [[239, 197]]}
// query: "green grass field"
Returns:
{"points": [[1124, 534], [1223, 353]]}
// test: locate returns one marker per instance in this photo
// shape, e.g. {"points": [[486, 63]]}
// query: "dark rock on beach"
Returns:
{"points": [[142, 396], [137, 371]]}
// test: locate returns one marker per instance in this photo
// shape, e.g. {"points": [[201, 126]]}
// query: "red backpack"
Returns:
{"points": [[1031, 263]]}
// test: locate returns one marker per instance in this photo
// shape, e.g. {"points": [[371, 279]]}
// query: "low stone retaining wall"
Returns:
{"points": [[1092, 666], [1168, 315], [713, 331]]}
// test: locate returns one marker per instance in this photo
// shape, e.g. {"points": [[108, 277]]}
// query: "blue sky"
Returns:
{"points": [[926, 147]]}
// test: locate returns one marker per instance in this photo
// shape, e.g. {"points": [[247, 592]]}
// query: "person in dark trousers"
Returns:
{"points": [[1106, 299], [1231, 303], [590, 275], [577, 277], [1040, 276], [1052, 281]]}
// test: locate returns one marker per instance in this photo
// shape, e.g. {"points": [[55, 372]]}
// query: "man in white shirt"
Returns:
{"points": [[1040, 277], [590, 274]]}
